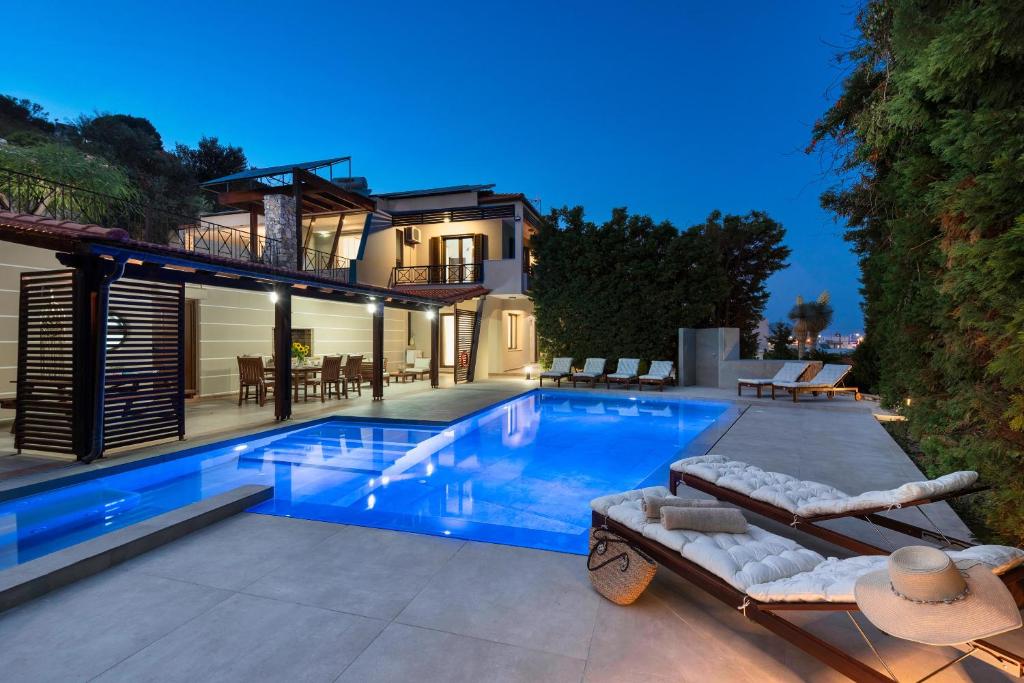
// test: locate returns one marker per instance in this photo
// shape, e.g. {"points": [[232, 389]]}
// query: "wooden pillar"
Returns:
{"points": [[435, 347], [377, 380], [254, 234], [283, 353], [91, 300]]}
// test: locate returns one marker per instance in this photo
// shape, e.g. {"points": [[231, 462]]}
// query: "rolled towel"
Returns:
{"points": [[707, 520], [652, 504]]}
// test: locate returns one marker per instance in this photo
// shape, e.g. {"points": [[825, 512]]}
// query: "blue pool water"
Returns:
{"points": [[520, 473]]}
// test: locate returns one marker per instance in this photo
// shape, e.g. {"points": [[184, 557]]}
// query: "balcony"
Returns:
{"points": [[36, 196], [456, 274]]}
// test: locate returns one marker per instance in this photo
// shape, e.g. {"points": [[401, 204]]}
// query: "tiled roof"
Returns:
{"points": [[45, 230], [450, 295]]}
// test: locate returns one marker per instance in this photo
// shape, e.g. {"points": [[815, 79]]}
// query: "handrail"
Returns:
{"points": [[325, 265], [462, 273], [30, 194]]}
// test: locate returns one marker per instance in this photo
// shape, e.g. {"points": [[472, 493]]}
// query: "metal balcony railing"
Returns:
{"points": [[325, 265], [463, 273], [37, 196]]}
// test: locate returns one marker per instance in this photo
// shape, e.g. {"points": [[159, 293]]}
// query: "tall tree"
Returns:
{"points": [[210, 159], [810, 318], [749, 250], [928, 133], [134, 144], [625, 287]]}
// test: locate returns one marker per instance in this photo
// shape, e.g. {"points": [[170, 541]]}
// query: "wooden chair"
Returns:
{"points": [[331, 381], [353, 376], [250, 375], [368, 371]]}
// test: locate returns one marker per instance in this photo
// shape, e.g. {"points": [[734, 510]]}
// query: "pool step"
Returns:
{"points": [[26, 581]]}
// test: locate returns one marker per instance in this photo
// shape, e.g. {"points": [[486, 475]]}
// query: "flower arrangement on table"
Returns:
{"points": [[300, 352]]}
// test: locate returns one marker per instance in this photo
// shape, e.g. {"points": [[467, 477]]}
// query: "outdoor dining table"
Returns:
{"points": [[299, 375]]}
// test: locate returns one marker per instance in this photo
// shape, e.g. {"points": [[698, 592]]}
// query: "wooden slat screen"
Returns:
{"points": [[465, 321], [46, 328], [145, 377]]}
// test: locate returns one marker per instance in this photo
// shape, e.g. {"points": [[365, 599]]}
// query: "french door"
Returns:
{"points": [[459, 259]]}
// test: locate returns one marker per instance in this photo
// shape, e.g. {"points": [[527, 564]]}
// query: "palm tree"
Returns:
{"points": [[810, 318]]}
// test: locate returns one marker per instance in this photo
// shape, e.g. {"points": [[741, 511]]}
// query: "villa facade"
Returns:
{"points": [[294, 253]]}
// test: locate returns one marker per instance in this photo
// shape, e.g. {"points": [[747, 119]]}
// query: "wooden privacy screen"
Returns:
{"points": [[46, 327], [145, 376], [464, 323]]}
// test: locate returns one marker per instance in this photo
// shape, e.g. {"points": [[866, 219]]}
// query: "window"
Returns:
{"points": [[512, 331]]}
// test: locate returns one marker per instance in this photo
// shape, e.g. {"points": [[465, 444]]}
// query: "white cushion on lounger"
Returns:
{"points": [[833, 579], [810, 498], [757, 556], [627, 369], [659, 370], [787, 373]]}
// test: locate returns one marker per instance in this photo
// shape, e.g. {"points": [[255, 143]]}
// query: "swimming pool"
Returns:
{"points": [[521, 472]]}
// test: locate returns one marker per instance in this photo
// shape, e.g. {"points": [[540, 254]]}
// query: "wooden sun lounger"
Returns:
{"points": [[770, 614], [811, 526]]}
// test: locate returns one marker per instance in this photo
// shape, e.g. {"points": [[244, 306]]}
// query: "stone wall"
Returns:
{"points": [[279, 222]]}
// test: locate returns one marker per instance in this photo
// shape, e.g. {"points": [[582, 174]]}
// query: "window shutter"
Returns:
{"points": [[435, 251], [479, 247]]}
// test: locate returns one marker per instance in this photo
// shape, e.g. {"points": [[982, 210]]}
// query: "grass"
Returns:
{"points": [[968, 508]]}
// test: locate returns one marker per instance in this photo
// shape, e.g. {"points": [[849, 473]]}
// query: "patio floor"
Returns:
{"points": [[270, 598]]}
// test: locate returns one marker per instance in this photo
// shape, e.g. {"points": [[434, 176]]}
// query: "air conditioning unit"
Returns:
{"points": [[412, 235]]}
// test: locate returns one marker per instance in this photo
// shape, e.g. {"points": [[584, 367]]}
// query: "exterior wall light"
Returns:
{"points": [[273, 297], [371, 308], [431, 315]]}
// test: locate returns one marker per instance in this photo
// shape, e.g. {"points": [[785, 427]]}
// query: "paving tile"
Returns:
{"points": [[246, 638], [519, 596], [407, 653], [234, 553], [372, 572], [78, 632]]}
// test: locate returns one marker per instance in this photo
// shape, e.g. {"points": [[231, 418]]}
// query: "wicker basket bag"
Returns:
{"points": [[618, 571]]}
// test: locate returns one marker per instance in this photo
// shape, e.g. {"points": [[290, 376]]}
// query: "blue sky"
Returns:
{"points": [[672, 109]]}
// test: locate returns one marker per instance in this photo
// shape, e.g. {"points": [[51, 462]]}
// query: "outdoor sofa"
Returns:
{"points": [[827, 382], [561, 368], [766, 577], [805, 504], [789, 372]]}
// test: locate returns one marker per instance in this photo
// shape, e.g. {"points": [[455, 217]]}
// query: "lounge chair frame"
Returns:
{"points": [[558, 379], [767, 614], [592, 381], [811, 526]]}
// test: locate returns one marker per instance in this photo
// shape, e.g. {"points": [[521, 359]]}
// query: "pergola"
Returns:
{"points": [[99, 259]]}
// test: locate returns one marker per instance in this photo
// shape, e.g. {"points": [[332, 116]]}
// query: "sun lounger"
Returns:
{"points": [[561, 368], [789, 372], [592, 372], [766, 576], [804, 504], [626, 373], [827, 382], [659, 374]]}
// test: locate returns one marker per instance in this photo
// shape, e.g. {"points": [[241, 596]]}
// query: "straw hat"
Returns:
{"points": [[924, 597]]}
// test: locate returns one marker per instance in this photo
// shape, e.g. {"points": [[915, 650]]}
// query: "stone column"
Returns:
{"points": [[279, 219]]}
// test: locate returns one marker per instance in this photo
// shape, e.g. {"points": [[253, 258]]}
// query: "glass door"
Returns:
{"points": [[459, 259]]}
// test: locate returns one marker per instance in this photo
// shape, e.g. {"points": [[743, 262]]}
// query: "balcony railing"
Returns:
{"points": [[463, 273], [234, 243], [325, 265], [36, 196]]}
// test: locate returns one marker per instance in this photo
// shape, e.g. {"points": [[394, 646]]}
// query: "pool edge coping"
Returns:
{"points": [[24, 582]]}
